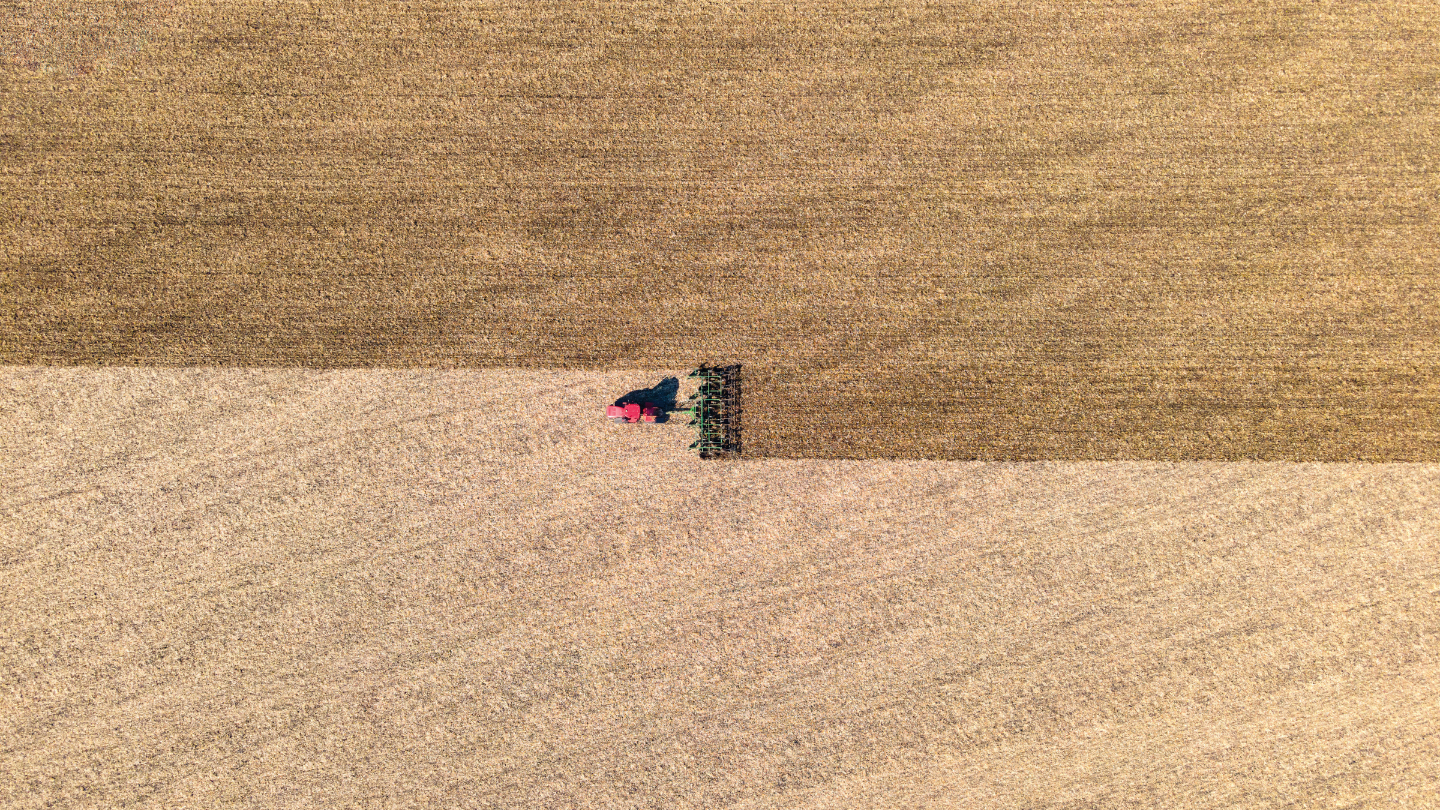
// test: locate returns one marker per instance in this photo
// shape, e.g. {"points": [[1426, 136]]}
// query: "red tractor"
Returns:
{"points": [[634, 412]]}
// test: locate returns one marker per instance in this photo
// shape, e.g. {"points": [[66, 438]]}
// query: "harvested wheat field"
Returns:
{"points": [[296, 588], [994, 230]]}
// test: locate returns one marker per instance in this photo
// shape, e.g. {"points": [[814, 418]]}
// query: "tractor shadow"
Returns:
{"points": [[662, 396]]}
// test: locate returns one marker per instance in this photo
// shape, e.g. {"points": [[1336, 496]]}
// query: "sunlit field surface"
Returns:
{"points": [[294, 588]]}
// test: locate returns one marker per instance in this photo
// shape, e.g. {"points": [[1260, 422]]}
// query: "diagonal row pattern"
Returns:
{"points": [[417, 588]]}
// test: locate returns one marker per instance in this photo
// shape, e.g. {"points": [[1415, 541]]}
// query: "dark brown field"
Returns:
{"points": [[984, 230]]}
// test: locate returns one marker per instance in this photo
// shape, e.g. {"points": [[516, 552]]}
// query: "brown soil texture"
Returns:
{"points": [[299, 588], [1186, 230]]}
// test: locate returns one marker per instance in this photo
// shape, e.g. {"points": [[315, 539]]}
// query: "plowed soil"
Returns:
{"points": [[982, 230], [467, 589]]}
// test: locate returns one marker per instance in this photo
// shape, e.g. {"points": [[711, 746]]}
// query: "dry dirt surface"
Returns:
{"points": [[983, 230], [466, 589]]}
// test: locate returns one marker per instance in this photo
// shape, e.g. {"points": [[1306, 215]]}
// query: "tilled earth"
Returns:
{"points": [[981, 230]]}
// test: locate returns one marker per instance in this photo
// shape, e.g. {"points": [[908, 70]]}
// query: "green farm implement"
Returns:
{"points": [[715, 411]]}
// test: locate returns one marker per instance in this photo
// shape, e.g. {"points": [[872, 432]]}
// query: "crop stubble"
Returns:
{"points": [[299, 588], [984, 230]]}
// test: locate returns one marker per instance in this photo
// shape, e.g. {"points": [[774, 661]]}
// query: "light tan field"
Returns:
{"points": [[267, 588]]}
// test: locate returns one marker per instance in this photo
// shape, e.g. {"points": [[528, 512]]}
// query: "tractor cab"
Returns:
{"points": [[632, 412]]}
